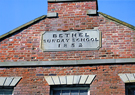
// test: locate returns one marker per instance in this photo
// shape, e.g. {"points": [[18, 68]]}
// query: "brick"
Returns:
{"points": [[39, 74], [52, 70], [117, 42]]}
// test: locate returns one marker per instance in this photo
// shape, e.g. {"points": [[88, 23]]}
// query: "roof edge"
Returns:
{"points": [[117, 20], [22, 26], [44, 16]]}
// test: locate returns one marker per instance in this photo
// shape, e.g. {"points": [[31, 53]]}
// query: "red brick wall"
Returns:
{"points": [[117, 42], [71, 9], [106, 82]]}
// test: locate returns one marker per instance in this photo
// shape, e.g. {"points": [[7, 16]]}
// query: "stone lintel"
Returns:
{"points": [[69, 79], [9, 81], [127, 77]]}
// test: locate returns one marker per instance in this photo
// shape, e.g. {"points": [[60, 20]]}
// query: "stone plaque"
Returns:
{"points": [[71, 40]]}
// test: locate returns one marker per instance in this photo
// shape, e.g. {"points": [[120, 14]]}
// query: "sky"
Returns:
{"points": [[14, 13]]}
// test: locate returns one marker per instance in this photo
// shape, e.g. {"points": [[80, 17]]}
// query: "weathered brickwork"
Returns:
{"points": [[118, 41], [106, 82], [72, 9]]}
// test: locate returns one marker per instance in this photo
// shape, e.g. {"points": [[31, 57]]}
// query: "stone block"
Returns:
{"points": [[8, 81], [91, 12], [56, 80], [70, 79], [83, 79], [76, 79], [90, 79], [2, 80], [49, 80], [62, 79], [15, 81], [124, 78], [52, 15]]}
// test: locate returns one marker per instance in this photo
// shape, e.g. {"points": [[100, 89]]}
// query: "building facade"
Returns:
{"points": [[73, 50]]}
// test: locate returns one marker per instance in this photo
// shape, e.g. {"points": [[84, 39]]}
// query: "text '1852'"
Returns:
{"points": [[71, 40]]}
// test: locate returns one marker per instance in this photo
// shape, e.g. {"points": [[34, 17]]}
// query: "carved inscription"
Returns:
{"points": [[71, 40]]}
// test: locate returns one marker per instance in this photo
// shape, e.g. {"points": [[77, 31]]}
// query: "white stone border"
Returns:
{"points": [[67, 63]]}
